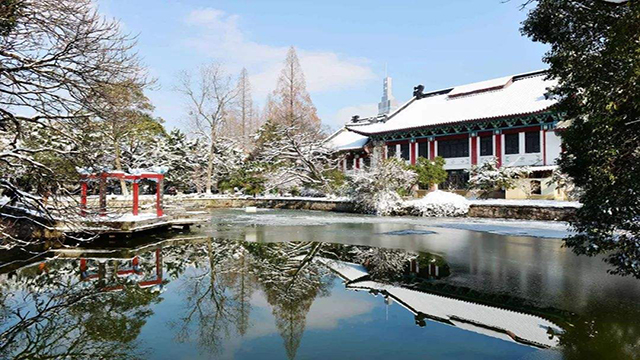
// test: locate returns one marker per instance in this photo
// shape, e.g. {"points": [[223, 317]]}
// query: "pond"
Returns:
{"points": [[309, 285]]}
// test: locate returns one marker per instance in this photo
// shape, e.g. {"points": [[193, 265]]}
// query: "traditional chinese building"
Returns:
{"points": [[511, 119]]}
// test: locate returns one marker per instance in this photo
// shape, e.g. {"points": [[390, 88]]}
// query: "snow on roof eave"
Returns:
{"points": [[402, 107], [336, 133], [363, 133]]}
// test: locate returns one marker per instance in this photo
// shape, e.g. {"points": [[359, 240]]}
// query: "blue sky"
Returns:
{"points": [[343, 46]]}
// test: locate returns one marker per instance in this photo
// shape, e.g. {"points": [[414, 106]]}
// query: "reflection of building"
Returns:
{"points": [[483, 319], [130, 268], [509, 119]]}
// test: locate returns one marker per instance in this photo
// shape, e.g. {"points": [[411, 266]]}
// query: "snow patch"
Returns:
{"points": [[438, 204]]}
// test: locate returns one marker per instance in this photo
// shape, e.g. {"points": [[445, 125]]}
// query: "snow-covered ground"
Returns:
{"points": [[226, 197], [128, 217]]}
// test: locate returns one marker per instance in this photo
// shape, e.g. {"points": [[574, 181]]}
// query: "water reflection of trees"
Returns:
{"points": [[49, 313], [65, 310], [210, 307], [291, 281], [225, 276]]}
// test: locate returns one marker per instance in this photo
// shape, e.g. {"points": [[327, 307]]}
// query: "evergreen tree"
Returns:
{"points": [[595, 56]]}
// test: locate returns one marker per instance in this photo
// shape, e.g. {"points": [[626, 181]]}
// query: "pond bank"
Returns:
{"points": [[554, 211]]}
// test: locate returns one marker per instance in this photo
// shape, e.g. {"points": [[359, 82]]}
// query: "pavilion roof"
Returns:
{"points": [[510, 96]]}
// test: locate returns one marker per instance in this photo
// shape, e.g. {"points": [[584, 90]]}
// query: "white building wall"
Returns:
{"points": [[554, 147], [457, 163]]}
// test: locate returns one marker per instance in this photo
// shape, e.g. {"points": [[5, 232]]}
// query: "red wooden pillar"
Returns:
{"points": [[412, 151], [474, 150], [498, 138], [159, 196], [83, 198], [357, 160], [136, 191]]}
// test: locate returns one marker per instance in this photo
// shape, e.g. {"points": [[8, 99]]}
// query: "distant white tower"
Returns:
{"points": [[388, 102]]}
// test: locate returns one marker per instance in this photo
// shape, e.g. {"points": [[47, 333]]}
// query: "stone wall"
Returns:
{"points": [[294, 204], [170, 202], [522, 212]]}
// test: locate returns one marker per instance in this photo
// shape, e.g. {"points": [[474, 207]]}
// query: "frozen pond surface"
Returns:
{"points": [[313, 285]]}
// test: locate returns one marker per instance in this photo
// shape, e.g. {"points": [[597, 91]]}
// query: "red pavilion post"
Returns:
{"points": [[83, 198], [136, 191], [159, 196]]}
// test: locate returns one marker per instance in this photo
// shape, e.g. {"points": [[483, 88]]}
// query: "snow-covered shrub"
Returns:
{"points": [[438, 204], [383, 263], [486, 178], [293, 158], [565, 183], [310, 192], [377, 191]]}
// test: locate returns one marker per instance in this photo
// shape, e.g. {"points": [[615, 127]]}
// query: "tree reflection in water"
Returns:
{"points": [[50, 312], [96, 307]]}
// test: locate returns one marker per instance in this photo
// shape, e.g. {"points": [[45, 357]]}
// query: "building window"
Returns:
{"points": [[404, 151], [366, 162], [349, 163], [532, 142], [536, 187], [422, 150], [453, 148], [391, 151], [511, 144], [486, 146]]}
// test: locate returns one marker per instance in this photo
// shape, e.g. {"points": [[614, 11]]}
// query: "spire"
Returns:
{"points": [[388, 103]]}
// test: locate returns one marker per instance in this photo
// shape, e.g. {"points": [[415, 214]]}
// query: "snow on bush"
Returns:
{"points": [[487, 177], [438, 204], [386, 203], [377, 191]]}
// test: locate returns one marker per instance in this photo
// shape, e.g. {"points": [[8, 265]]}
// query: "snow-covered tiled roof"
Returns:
{"points": [[499, 98], [344, 139]]}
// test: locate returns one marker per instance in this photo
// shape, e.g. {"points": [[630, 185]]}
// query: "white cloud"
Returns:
{"points": [[220, 36]]}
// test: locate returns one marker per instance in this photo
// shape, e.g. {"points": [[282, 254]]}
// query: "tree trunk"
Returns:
{"points": [[123, 184], [210, 165]]}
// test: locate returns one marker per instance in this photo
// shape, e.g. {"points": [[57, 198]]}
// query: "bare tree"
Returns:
{"points": [[210, 94], [55, 57], [242, 121], [290, 103], [123, 109]]}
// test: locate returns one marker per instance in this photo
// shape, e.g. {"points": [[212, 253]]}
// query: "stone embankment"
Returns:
{"points": [[541, 210], [522, 212]]}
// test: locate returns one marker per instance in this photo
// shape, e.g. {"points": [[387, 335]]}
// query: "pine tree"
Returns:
{"points": [[290, 103]]}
